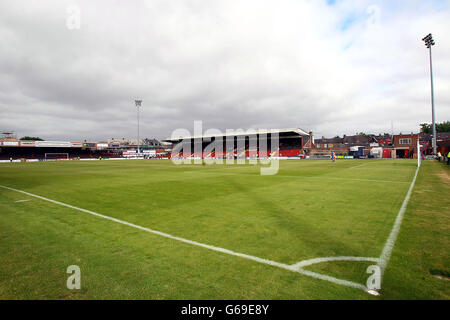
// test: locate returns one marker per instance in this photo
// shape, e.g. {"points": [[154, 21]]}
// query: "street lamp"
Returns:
{"points": [[429, 42], [138, 104]]}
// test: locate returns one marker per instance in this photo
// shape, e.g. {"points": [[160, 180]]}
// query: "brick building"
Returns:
{"points": [[405, 145]]}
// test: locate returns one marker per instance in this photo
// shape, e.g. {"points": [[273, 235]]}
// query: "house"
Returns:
{"points": [[442, 141], [325, 146], [405, 145]]}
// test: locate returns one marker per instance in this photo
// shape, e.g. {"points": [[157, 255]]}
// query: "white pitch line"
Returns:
{"points": [[360, 180], [292, 176], [18, 201], [361, 165], [206, 246], [305, 263], [390, 242]]}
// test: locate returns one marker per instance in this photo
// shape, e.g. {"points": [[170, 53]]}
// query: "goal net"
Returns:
{"points": [[56, 156]]}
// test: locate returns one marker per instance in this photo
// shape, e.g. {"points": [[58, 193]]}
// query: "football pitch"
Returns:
{"points": [[150, 229]]}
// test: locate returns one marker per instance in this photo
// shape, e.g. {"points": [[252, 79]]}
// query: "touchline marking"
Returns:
{"points": [[292, 268], [292, 176], [390, 242], [306, 263], [22, 200]]}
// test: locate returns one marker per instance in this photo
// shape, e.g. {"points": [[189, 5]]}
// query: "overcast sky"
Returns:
{"points": [[333, 67]]}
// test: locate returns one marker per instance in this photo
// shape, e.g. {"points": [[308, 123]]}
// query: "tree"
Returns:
{"points": [[31, 138], [443, 127], [366, 135], [426, 128], [440, 127], [362, 134]]}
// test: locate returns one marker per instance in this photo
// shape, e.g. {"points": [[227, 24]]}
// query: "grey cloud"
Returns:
{"points": [[232, 64]]}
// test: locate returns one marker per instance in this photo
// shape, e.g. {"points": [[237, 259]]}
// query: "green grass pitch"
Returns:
{"points": [[310, 209]]}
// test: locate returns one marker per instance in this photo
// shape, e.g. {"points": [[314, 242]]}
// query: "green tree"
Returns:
{"points": [[31, 138], [440, 127], [425, 128], [366, 135], [443, 127]]}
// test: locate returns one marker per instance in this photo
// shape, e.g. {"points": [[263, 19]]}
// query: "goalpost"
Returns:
{"points": [[419, 154], [56, 156]]}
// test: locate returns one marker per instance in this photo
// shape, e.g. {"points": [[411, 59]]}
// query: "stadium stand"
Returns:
{"points": [[39, 153], [291, 144]]}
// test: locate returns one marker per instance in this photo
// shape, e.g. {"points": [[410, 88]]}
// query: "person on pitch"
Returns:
{"points": [[333, 156]]}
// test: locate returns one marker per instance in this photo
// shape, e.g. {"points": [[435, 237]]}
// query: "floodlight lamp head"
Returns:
{"points": [[429, 36], [138, 103], [429, 41]]}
